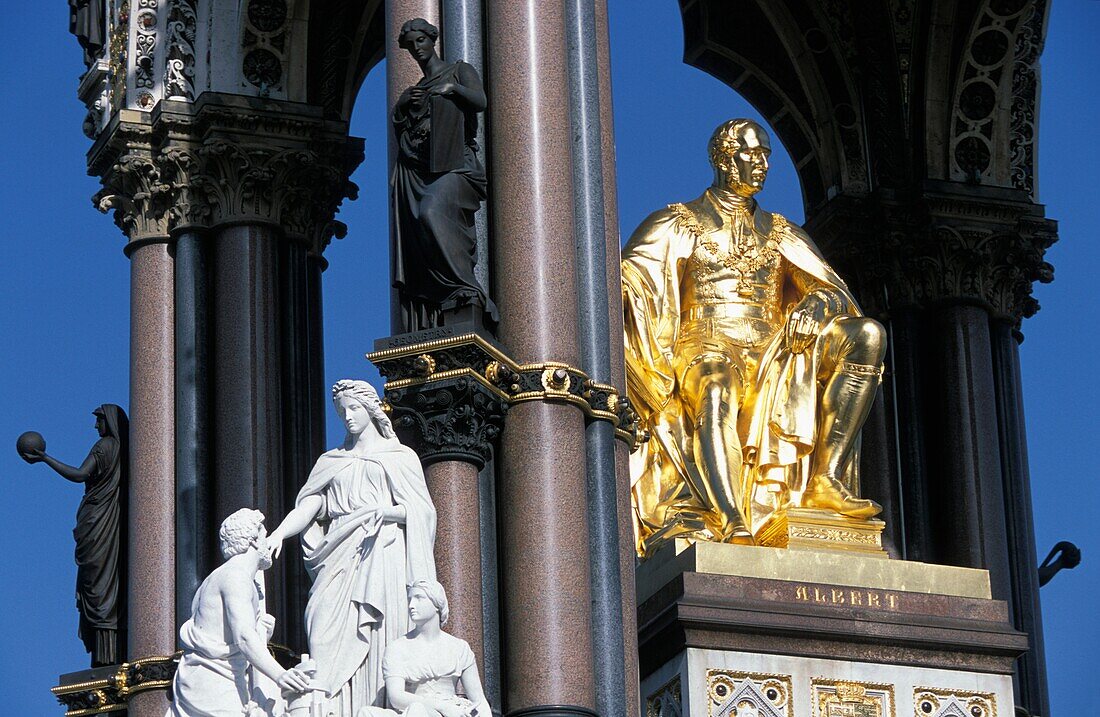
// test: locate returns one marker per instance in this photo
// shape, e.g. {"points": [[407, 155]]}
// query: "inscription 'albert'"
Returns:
{"points": [[856, 597]]}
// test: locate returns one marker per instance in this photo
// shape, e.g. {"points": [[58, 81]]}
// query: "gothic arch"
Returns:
{"points": [[346, 40], [793, 68]]}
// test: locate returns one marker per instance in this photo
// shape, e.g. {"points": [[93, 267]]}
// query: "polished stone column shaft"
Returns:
{"points": [[453, 486], [465, 553], [248, 411], [152, 595], [196, 551], [462, 40], [617, 361], [597, 333], [546, 594], [969, 520], [1031, 683]]}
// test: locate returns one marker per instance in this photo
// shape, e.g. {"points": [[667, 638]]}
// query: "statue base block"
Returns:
{"points": [[730, 630], [811, 529]]}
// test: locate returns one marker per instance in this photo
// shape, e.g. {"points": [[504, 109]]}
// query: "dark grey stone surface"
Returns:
{"points": [[726, 612]]}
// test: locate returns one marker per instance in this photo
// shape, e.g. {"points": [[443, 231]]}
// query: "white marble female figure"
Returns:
{"points": [[424, 669], [368, 531]]}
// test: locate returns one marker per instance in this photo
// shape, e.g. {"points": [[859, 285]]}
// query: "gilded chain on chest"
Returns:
{"points": [[744, 257]]}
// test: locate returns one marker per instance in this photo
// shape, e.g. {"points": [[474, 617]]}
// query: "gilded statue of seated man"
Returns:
{"points": [[748, 359]]}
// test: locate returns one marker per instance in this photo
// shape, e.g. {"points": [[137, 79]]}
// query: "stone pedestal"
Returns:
{"points": [[732, 630]]}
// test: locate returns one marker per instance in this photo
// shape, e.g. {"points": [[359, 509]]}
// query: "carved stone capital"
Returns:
{"points": [[217, 161], [448, 393], [945, 246], [448, 420]]}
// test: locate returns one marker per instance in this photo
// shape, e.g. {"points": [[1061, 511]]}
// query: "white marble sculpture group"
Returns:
{"points": [[367, 527]]}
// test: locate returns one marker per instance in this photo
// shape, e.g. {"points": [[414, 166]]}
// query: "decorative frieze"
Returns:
{"points": [[941, 248]]}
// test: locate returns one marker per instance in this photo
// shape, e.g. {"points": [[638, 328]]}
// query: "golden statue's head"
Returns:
{"points": [[739, 151]]}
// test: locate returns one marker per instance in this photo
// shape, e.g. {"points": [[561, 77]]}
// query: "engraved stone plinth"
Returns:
{"points": [[811, 529], [726, 630]]}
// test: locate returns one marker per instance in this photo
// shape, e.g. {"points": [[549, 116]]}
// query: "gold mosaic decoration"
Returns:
{"points": [[665, 702], [729, 692], [937, 702], [845, 698]]}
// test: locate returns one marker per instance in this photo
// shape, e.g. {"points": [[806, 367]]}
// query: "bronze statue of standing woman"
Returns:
{"points": [[99, 531], [437, 186]]}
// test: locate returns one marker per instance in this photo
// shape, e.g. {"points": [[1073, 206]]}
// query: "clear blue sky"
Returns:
{"points": [[64, 304]]}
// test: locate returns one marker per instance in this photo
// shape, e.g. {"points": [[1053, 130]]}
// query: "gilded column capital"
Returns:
{"points": [[217, 162], [970, 246]]}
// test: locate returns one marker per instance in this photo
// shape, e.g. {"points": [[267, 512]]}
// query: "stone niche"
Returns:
{"points": [[744, 631]]}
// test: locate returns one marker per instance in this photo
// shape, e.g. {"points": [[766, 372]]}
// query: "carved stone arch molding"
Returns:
{"points": [[791, 60], [273, 47], [984, 131], [346, 40]]}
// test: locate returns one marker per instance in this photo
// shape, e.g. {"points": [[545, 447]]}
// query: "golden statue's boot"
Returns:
{"points": [[830, 494], [845, 404]]}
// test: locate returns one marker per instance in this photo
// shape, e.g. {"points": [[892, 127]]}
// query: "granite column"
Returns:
{"points": [[617, 376], [249, 466], [1031, 676], [152, 595], [196, 553], [599, 326], [546, 588], [969, 526]]}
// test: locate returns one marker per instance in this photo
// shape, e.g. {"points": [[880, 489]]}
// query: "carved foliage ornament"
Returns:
{"points": [[219, 181], [967, 250], [179, 68]]}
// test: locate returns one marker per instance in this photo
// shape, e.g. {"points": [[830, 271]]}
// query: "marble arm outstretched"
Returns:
{"points": [[243, 632], [296, 521]]}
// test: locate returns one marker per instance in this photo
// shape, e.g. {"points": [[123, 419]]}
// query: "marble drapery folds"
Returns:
{"points": [[357, 604]]}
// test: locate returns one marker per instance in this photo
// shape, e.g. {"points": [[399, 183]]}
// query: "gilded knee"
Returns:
{"points": [[868, 337], [708, 371]]}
